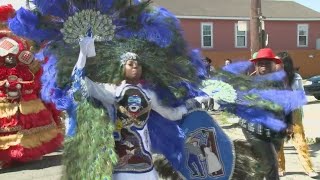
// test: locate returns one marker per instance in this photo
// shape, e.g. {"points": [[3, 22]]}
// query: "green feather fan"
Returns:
{"points": [[90, 153]]}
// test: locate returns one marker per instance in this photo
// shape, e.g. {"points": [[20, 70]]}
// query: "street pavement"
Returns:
{"points": [[50, 168]]}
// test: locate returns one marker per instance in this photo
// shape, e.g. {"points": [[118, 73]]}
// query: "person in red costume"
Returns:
{"points": [[29, 128]]}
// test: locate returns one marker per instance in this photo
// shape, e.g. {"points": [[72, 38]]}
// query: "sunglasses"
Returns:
{"points": [[264, 63]]}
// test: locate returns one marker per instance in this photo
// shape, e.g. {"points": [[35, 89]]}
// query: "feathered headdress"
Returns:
{"points": [[118, 27], [154, 34], [6, 12], [21, 48]]}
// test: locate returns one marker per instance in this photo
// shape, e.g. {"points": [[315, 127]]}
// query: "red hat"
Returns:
{"points": [[266, 54]]}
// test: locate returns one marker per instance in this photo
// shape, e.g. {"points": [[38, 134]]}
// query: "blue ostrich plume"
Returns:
{"points": [[105, 5], [276, 76], [26, 24], [173, 140], [261, 116], [192, 90], [238, 67], [283, 98], [157, 26], [48, 79], [197, 61], [59, 8]]}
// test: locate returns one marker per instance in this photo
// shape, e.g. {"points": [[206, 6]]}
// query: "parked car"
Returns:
{"points": [[312, 86]]}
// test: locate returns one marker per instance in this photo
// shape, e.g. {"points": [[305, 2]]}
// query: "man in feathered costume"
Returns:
{"points": [[29, 128], [138, 75], [267, 142]]}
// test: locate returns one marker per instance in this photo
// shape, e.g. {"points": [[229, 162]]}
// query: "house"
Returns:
{"points": [[212, 25]]}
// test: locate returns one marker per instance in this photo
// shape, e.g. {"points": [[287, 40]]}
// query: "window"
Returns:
{"points": [[318, 44], [240, 37], [302, 35], [206, 35]]}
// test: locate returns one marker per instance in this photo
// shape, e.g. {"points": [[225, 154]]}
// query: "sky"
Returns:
{"points": [[15, 3], [313, 4]]}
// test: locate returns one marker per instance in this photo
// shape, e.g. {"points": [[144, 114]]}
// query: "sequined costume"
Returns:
{"points": [[29, 128]]}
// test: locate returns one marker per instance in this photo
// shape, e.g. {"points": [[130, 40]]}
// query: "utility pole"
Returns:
{"points": [[255, 26]]}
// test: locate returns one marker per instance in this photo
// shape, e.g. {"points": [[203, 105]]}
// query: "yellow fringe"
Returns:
{"points": [[11, 140], [29, 140], [33, 106], [25, 107], [297, 116], [35, 140], [8, 109]]}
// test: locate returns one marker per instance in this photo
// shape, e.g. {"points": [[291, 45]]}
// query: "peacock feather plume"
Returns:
{"points": [[117, 27], [96, 136]]}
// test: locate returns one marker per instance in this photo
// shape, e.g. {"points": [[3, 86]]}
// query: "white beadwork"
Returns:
{"points": [[77, 26]]}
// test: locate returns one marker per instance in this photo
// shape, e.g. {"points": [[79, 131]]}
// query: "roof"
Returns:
{"points": [[237, 9]]}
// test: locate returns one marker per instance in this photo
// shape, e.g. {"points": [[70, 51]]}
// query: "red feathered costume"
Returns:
{"points": [[29, 128]]}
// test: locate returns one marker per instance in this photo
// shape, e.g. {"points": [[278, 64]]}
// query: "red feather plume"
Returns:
{"points": [[6, 12]]}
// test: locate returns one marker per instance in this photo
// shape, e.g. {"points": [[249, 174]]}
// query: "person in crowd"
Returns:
{"points": [[227, 62], [294, 81], [208, 102], [264, 141], [133, 105], [29, 127], [209, 66]]}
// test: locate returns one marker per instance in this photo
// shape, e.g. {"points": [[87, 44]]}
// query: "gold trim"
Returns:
{"points": [[29, 139], [36, 140], [11, 140], [10, 129], [38, 129], [28, 131], [133, 119], [33, 106], [8, 109]]}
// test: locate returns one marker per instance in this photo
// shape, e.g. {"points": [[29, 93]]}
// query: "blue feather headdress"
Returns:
{"points": [[27, 24], [152, 33], [257, 99]]}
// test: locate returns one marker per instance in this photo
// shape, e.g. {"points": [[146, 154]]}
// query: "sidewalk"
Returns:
{"points": [[311, 119], [293, 166]]}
